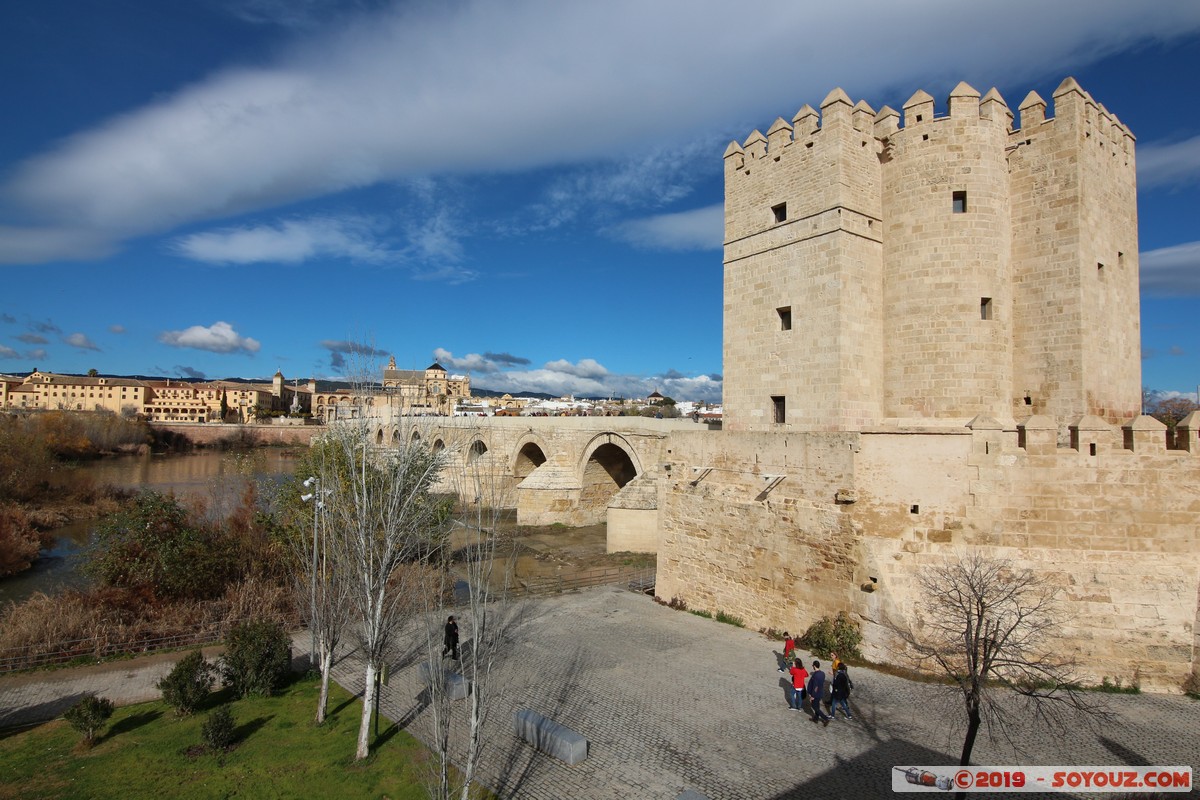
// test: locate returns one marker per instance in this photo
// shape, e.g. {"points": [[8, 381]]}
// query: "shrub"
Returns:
{"points": [[840, 635], [699, 612], [730, 619], [257, 658], [188, 684], [218, 729], [154, 546], [678, 603], [1117, 687], [89, 715]]}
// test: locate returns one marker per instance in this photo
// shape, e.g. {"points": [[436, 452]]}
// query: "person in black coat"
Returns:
{"points": [[841, 692], [450, 642]]}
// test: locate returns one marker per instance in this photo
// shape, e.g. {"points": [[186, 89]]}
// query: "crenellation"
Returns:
{"points": [[918, 109], [779, 135], [1033, 111]]}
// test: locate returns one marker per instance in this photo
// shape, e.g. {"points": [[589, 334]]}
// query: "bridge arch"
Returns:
{"points": [[609, 462], [529, 455]]}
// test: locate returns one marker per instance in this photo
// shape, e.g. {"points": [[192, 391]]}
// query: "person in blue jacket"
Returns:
{"points": [[816, 691]]}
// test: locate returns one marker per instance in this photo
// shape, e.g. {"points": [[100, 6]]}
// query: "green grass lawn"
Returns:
{"points": [[147, 752]]}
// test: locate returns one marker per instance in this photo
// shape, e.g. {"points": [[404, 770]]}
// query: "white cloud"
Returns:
{"points": [[1168, 164], [288, 242], [115, 328], [698, 229], [472, 362], [480, 87], [1173, 271], [81, 341], [586, 368], [220, 337], [8, 352]]}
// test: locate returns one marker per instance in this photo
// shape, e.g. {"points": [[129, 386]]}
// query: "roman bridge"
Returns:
{"points": [[569, 470]]}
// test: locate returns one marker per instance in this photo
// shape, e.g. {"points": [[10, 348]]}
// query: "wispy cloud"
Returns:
{"points": [[116, 328], [45, 326], [586, 377], [287, 242], [1173, 271], [8, 318], [698, 229], [475, 87], [8, 352], [32, 338], [81, 341], [1173, 164], [220, 337]]}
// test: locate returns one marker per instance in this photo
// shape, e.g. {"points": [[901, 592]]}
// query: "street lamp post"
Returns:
{"points": [[314, 484]]}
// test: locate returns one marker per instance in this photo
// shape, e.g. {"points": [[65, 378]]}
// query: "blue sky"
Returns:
{"points": [[528, 191]]}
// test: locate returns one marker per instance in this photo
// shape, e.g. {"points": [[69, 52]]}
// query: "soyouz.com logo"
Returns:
{"points": [[1041, 779]]}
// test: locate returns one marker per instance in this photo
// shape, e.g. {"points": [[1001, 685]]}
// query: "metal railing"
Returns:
{"points": [[639, 579], [98, 648]]}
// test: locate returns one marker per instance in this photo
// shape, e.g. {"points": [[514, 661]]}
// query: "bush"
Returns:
{"points": [[155, 547], [188, 684], [257, 658], [89, 715], [218, 729], [840, 635], [730, 619]]}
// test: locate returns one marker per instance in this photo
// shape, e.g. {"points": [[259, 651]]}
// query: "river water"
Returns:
{"points": [[215, 479]]}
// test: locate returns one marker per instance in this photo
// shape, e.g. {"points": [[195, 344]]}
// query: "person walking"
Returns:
{"points": [[841, 692], [450, 641], [789, 646], [799, 680], [816, 690]]}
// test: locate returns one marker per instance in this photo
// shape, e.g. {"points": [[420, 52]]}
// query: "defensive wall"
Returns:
{"points": [[783, 529], [209, 434]]}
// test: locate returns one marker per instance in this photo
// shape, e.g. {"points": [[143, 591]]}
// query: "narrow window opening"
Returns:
{"points": [[780, 212], [1120, 259], [1100, 267], [919, 118], [960, 202], [985, 308], [785, 318], [808, 146], [1028, 400], [987, 448], [914, 509], [1092, 449], [780, 408], [924, 136]]}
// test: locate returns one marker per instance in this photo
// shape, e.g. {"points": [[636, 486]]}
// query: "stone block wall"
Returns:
{"points": [[856, 518]]}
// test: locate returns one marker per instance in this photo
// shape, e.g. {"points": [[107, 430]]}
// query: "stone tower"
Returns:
{"points": [[924, 271]]}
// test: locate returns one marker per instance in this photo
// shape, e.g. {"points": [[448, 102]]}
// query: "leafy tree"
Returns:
{"points": [[92, 373], [224, 406], [89, 715], [993, 631], [257, 658], [153, 546], [187, 685]]}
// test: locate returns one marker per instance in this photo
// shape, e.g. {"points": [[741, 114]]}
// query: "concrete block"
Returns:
{"points": [[550, 737]]}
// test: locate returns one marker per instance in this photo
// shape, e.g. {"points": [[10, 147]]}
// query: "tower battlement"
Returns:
{"points": [[910, 265]]}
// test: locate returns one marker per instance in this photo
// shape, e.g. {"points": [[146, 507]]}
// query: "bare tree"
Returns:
{"points": [[317, 580], [380, 524], [992, 629], [477, 553]]}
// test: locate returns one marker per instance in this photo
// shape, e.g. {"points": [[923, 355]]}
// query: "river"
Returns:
{"points": [[218, 479]]}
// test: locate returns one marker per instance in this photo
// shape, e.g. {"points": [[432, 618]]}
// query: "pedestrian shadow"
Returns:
{"points": [[868, 774], [1128, 757]]}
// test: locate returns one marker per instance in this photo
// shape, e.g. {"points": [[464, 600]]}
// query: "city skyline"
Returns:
{"points": [[531, 195]]}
